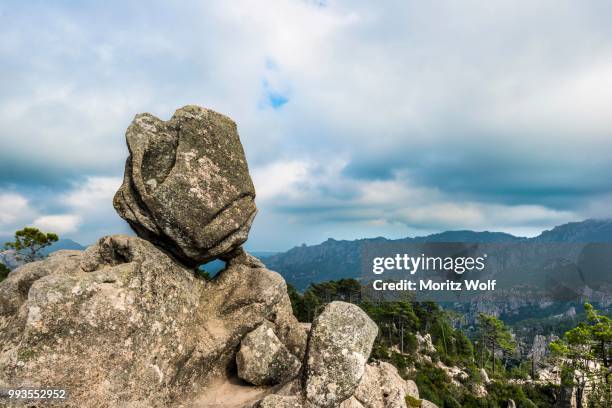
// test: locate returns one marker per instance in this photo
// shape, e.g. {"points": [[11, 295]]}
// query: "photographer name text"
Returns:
{"points": [[430, 285]]}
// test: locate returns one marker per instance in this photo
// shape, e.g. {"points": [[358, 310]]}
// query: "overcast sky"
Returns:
{"points": [[359, 118]]}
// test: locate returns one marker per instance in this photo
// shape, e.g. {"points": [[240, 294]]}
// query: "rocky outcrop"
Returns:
{"points": [[479, 390], [290, 332], [339, 345], [281, 401], [127, 322], [145, 329], [424, 343], [411, 389], [484, 377], [187, 186], [380, 387], [263, 359], [456, 375], [539, 349]]}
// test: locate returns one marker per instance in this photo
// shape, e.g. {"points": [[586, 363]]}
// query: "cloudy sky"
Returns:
{"points": [[358, 118]]}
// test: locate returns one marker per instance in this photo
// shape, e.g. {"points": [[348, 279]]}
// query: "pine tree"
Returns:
{"points": [[30, 242], [584, 353], [494, 336]]}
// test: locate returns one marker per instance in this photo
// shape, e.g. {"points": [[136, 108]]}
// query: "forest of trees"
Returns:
{"points": [[490, 346]]}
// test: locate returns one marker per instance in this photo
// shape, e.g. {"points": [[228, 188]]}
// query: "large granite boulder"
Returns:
{"points": [[187, 186], [263, 359], [124, 324], [339, 346]]}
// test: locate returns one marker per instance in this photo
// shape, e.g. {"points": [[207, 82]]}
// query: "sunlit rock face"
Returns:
{"points": [[187, 186]]}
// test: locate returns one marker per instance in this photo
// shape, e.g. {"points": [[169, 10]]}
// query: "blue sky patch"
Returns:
{"points": [[277, 100]]}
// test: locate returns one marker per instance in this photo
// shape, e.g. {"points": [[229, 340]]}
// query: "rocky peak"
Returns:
{"points": [[128, 323]]}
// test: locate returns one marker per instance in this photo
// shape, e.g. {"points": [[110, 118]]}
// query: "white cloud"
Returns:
{"points": [[84, 212], [94, 193], [278, 178], [59, 224], [91, 202], [363, 77], [14, 210], [12, 207], [306, 194]]}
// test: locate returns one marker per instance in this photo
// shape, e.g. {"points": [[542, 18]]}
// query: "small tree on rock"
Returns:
{"points": [[29, 244]]}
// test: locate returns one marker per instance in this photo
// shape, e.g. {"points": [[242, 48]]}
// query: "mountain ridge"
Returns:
{"points": [[338, 259]]}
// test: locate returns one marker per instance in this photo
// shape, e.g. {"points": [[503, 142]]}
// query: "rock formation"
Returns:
{"points": [[144, 328], [263, 359], [187, 186], [127, 322], [338, 348], [382, 386], [484, 377]]}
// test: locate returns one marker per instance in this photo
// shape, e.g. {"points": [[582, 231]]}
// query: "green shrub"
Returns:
{"points": [[4, 271], [410, 342], [413, 402], [433, 384]]}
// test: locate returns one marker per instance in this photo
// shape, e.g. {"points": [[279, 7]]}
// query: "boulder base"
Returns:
{"points": [[123, 323]]}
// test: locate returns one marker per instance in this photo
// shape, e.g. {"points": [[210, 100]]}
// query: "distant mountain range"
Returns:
{"points": [[332, 259]]}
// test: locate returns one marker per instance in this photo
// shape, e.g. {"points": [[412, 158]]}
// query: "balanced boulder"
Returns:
{"points": [[187, 187], [128, 322]]}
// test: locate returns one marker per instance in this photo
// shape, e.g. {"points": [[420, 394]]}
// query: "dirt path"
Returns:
{"points": [[232, 393]]}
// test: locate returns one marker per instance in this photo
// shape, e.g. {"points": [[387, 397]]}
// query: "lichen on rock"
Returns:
{"points": [[339, 346], [263, 359], [187, 186]]}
